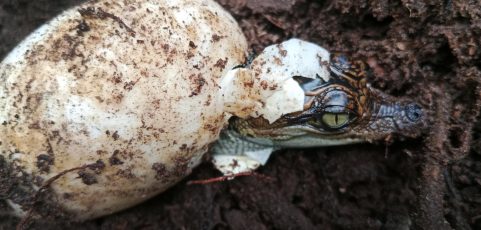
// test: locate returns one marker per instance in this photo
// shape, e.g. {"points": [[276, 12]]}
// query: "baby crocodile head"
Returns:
{"points": [[343, 110]]}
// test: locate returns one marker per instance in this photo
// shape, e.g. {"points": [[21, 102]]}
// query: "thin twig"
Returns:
{"points": [[229, 177]]}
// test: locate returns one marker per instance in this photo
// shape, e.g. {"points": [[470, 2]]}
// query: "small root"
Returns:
{"points": [[25, 220]]}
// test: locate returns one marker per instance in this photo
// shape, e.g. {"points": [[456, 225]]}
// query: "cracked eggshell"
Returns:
{"points": [[277, 65], [267, 87], [132, 85]]}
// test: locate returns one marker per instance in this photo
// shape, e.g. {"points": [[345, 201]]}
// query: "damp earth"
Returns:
{"points": [[425, 50]]}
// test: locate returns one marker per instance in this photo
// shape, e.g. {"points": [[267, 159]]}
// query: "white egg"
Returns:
{"points": [[132, 85]]}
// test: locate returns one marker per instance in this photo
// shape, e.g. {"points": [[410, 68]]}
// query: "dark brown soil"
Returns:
{"points": [[423, 49]]}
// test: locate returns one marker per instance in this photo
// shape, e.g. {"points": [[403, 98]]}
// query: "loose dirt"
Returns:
{"points": [[426, 50]]}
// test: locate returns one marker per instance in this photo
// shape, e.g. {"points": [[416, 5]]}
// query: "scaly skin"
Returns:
{"points": [[361, 112]]}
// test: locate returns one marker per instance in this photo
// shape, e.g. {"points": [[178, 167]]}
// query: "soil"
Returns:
{"points": [[426, 50]]}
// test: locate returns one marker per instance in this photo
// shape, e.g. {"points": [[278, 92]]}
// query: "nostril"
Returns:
{"points": [[414, 112]]}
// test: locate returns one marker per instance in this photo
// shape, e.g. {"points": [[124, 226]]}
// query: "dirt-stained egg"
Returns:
{"points": [[120, 98]]}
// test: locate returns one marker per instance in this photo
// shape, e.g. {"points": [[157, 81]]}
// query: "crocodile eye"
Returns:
{"points": [[335, 120]]}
